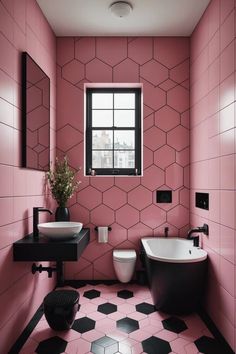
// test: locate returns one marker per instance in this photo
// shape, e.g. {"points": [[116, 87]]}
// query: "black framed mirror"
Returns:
{"points": [[35, 115]]}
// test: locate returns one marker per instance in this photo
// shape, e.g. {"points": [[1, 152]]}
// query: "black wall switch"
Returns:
{"points": [[164, 197], [202, 200]]}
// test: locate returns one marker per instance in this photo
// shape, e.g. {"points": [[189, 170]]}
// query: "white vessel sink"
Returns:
{"points": [[60, 230]]}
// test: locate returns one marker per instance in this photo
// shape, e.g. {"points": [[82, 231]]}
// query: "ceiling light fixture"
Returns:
{"points": [[121, 8]]}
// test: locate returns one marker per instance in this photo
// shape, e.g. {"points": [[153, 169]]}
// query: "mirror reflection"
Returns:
{"points": [[36, 116]]}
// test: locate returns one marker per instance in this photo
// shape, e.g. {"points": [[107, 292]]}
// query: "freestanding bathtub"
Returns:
{"points": [[176, 273]]}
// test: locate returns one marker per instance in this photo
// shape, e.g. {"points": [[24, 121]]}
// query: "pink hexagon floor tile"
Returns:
{"points": [[67, 137], [102, 183], [89, 197], [153, 177], [178, 216], [153, 216], [178, 98], [97, 71], [117, 235], [118, 52], [167, 118], [171, 51], [154, 138], [178, 138], [85, 49], [114, 198], [127, 183], [174, 176], [73, 71], [153, 96], [140, 49], [164, 156], [102, 216], [126, 71], [65, 50], [154, 72], [147, 157], [140, 197], [127, 216], [180, 72]]}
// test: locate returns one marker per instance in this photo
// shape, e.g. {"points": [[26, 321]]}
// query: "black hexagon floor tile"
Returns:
{"points": [[105, 345], [92, 294], [174, 324], [55, 345], [208, 345], [127, 325], [154, 345], [145, 308], [107, 308], [125, 294], [83, 325]]}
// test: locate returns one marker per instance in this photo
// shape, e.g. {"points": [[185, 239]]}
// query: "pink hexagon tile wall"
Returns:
{"points": [[128, 204]]}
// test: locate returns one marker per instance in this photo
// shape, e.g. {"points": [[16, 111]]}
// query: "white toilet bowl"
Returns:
{"points": [[124, 264]]}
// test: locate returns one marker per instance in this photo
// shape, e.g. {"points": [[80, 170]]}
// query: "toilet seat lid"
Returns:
{"points": [[124, 255]]}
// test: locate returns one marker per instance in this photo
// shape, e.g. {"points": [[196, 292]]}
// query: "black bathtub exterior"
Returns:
{"points": [[176, 288]]}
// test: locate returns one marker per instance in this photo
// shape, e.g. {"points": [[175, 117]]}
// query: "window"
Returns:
{"points": [[113, 131]]}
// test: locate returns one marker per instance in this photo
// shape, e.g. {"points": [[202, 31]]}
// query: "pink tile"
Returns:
{"points": [[227, 61], [114, 198], [227, 31], [174, 176], [92, 335], [103, 49], [225, 8], [227, 243], [127, 216], [140, 197], [227, 142], [153, 177], [139, 335], [227, 172], [80, 345], [153, 216], [227, 92], [227, 118], [214, 74], [214, 47], [227, 208], [226, 275], [154, 72], [137, 55], [167, 335]]}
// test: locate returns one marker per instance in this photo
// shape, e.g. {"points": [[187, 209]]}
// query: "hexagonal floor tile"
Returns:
{"points": [[83, 325], [145, 308], [209, 345], [105, 345], [55, 345], [125, 294], [107, 308], [174, 324], [91, 294], [153, 345], [127, 325]]}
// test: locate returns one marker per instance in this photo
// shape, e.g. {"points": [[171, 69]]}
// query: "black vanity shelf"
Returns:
{"points": [[30, 249]]}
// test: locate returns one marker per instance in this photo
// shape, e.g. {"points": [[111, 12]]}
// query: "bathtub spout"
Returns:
{"points": [[204, 229]]}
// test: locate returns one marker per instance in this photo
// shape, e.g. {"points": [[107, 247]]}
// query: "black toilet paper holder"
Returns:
{"points": [[96, 228]]}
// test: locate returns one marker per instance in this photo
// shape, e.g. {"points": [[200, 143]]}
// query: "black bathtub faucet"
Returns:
{"points": [[36, 211], [204, 229]]}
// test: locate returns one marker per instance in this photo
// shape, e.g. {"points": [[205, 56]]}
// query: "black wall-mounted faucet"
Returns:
{"points": [[166, 230], [204, 229], [36, 211]]}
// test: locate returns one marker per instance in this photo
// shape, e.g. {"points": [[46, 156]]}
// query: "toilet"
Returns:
{"points": [[124, 263]]}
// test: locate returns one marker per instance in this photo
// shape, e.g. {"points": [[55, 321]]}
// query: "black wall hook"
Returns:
{"points": [[96, 228]]}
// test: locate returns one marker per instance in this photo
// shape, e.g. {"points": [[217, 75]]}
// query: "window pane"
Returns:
{"points": [[102, 159], [124, 139], [102, 139], [124, 118], [102, 100], [102, 118], [124, 100], [124, 159]]}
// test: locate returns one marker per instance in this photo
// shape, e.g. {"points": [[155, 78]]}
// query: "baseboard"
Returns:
{"points": [[214, 330]]}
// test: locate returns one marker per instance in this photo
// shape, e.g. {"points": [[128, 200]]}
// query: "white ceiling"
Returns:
{"points": [[148, 18]]}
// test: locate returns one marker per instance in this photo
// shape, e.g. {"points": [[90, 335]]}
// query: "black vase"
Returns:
{"points": [[62, 214]]}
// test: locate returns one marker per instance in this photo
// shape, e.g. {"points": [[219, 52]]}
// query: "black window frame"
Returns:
{"points": [[137, 170]]}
